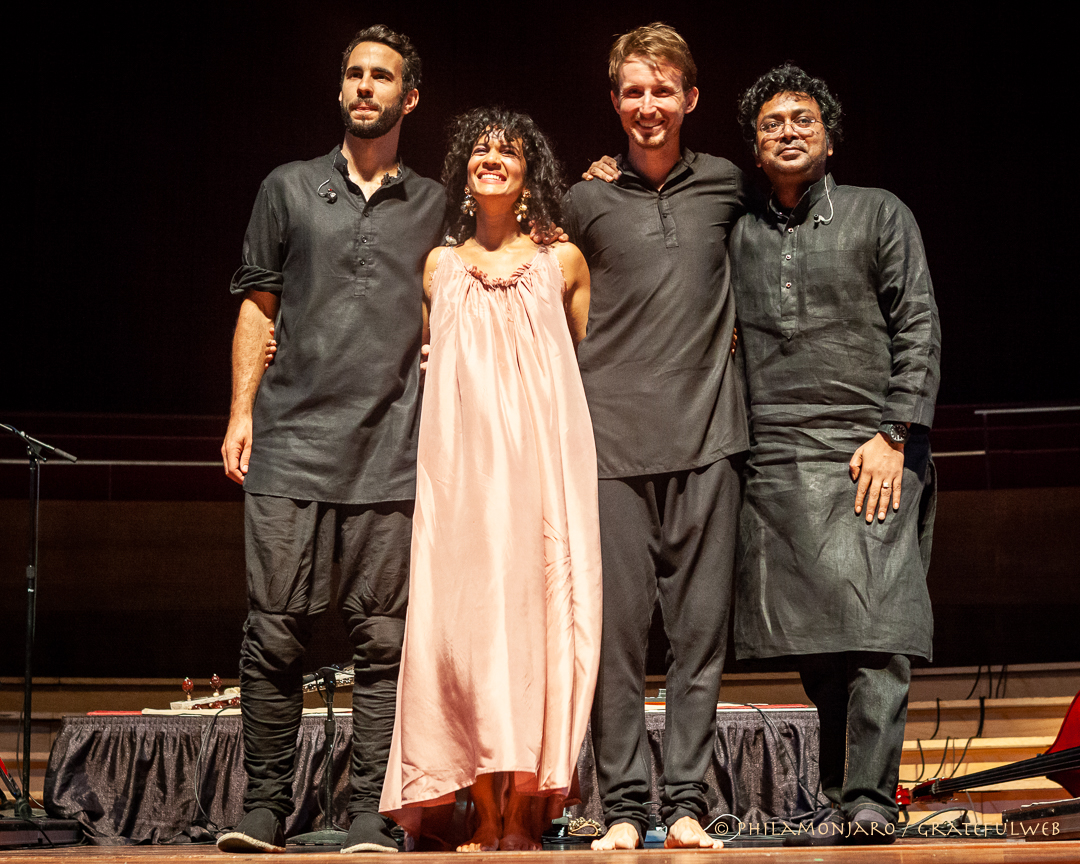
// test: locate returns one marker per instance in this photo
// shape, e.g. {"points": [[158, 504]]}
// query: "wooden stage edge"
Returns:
{"points": [[902, 852]]}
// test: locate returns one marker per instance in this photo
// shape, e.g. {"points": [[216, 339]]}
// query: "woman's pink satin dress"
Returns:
{"points": [[502, 638]]}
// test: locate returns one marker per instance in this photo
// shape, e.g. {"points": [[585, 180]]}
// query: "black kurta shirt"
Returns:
{"points": [[337, 412], [663, 393], [839, 330]]}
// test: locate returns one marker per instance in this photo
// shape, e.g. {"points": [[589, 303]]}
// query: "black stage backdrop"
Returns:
{"points": [[140, 138]]}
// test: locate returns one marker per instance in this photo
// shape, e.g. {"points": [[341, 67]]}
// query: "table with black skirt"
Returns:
{"points": [[155, 778]]}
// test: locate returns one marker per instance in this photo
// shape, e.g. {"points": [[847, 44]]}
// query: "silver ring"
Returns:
{"points": [[884, 485]]}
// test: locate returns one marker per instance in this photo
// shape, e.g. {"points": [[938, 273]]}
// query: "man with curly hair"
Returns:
{"points": [[670, 428], [840, 335], [324, 442]]}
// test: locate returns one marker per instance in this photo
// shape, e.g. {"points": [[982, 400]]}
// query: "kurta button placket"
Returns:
{"points": [[363, 282], [788, 272], [366, 260], [667, 222]]}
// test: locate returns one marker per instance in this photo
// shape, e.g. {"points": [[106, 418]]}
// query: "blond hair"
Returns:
{"points": [[656, 43]]}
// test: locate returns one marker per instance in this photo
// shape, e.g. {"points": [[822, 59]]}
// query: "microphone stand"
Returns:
{"points": [[38, 452], [329, 835]]}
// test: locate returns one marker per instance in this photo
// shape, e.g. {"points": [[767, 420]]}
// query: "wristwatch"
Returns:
{"points": [[895, 432]]}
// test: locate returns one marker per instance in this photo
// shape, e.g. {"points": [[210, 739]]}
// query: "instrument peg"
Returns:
{"points": [[903, 796]]}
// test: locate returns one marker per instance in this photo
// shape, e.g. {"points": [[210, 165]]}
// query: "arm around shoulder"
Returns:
{"points": [[431, 264]]}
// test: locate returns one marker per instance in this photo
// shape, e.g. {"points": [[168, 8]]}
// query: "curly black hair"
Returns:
{"points": [[410, 60], [543, 173], [787, 79]]}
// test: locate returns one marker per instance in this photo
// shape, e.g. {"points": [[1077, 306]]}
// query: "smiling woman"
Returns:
{"points": [[478, 129], [502, 638]]}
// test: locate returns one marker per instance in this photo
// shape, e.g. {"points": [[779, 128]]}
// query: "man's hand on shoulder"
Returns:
{"points": [[236, 449], [878, 467], [547, 236], [605, 168]]}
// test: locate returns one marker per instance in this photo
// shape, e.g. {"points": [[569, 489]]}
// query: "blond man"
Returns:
{"points": [[670, 426]]}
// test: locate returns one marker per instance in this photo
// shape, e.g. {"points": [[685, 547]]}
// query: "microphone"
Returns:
{"points": [[818, 218], [330, 195], [327, 675]]}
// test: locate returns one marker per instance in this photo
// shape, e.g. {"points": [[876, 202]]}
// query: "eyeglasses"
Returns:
{"points": [[802, 126]]}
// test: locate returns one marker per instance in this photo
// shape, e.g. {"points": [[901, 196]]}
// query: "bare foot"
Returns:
{"points": [[519, 843], [687, 833], [524, 821], [482, 841], [486, 836], [621, 835]]}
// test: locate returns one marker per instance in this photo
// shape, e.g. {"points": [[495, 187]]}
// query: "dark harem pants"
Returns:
{"points": [[290, 547], [670, 536], [861, 698]]}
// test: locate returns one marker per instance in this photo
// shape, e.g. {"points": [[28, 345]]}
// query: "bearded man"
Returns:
{"points": [[324, 442]]}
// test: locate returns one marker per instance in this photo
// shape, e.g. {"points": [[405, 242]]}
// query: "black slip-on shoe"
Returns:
{"points": [[370, 832], [259, 831]]}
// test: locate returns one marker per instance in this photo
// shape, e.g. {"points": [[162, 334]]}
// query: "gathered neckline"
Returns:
{"points": [[500, 282]]}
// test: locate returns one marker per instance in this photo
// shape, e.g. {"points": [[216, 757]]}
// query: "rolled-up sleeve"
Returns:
{"points": [[262, 252]]}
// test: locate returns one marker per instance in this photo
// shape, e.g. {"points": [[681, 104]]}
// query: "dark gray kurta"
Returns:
{"points": [[337, 413], [662, 390], [839, 332]]}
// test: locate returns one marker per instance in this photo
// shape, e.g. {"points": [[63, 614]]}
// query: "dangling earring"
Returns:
{"points": [[468, 204], [521, 209]]}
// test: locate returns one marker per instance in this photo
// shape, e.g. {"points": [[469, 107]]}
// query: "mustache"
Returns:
{"points": [[362, 103]]}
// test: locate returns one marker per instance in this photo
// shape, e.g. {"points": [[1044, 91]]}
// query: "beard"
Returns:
{"points": [[376, 128], [651, 142]]}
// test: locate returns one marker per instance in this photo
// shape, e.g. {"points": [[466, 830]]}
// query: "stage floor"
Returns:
{"points": [[902, 852]]}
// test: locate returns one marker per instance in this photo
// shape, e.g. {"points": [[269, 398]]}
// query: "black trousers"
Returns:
{"points": [[670, 536], [861, 697], [290, 547]]}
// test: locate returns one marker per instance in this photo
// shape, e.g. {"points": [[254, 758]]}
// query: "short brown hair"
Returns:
{"points": [[655, 42]]}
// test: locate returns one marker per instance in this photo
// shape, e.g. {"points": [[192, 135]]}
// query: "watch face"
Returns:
{"points": [[898, 433]]}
